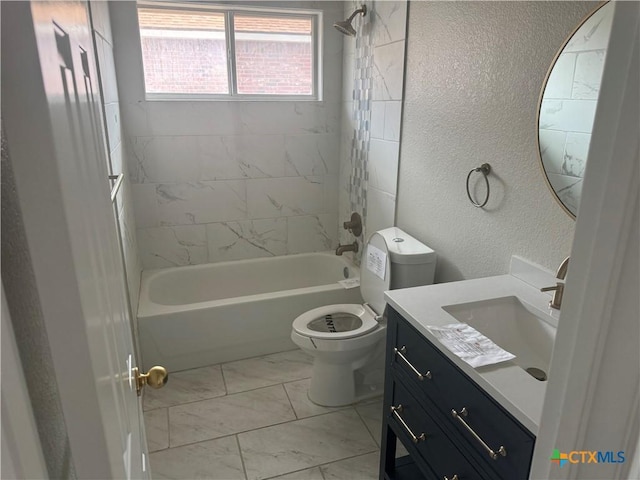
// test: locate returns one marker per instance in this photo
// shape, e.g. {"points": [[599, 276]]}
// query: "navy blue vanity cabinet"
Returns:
{"points": [[448, 424]]}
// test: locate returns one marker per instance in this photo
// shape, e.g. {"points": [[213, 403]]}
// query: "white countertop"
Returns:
{"points": [[517, 391]]}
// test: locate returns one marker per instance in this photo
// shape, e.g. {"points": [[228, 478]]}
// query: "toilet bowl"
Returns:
{"points": [[340, 353], [347, 340]]}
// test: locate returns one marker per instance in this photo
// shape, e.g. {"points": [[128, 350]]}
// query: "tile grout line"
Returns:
{"points": [[168, 429], [276, 382], [260, 428], [220, 364], [234, 433], [224, 381], [257, 356], [290, 402], [295, 471], [346, 408], [295, 420], [353, 407], [376, 449], [225, 395], [366, 427], [321, 473], [147, 436], [319, 466], [244, 468], [347, 458], [199, 441], [146, 409]]}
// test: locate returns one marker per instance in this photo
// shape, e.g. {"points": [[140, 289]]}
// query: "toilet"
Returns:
{"points": [[347, 340]]}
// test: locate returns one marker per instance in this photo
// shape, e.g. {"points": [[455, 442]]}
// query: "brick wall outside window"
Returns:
{"points": [[185, 65], [199, 66], [282, 68]]}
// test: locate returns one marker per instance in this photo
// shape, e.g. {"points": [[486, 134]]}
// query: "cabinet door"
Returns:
{"points": [[420, 432], [450, 389]]}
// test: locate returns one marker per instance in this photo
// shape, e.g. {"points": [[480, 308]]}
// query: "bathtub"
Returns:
{"points": [[200, 315]]}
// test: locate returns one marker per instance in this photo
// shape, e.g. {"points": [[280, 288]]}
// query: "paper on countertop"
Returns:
{"points": [[470, 345], [376, 261], [350, 283]]}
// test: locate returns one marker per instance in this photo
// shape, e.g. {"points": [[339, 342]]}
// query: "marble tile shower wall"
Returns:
{"points": [[386, 27], [232, 193], [361, 115], [567, 113], [105, 58], [217, 181]]}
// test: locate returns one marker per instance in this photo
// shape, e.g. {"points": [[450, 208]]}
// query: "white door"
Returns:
{"points": [[51, 114]]}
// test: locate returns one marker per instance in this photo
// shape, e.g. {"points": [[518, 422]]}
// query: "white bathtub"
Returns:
{"points": [[205, 314]]}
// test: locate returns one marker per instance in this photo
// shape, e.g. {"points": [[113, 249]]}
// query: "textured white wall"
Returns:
{"points": [[29, 325], [474, 73]]}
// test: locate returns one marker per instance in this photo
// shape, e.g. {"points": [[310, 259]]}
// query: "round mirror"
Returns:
{"points": [[568, 104]]}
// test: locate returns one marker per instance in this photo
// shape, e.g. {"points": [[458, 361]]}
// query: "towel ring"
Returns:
{"points": [[485, 169]]}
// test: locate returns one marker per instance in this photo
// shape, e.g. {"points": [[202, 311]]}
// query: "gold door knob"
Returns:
{"points": [[156, 377]]}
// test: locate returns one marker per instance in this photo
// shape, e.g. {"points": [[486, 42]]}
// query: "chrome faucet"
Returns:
{"points": [[351, 247], [558, 289]]}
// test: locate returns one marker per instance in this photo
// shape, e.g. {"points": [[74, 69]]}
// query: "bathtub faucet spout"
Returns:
{"points": [[352, 247]]}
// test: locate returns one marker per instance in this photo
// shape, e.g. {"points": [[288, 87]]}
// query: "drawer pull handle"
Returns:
{"points": [[396, 412], [463, 413], [455, 477], [400, 352]]}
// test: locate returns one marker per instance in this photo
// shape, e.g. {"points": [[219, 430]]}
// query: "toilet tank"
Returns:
{"points": [[412, 262]]}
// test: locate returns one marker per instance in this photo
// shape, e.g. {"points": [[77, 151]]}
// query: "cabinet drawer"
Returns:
{"points": [[488, 425], [414, 425]]}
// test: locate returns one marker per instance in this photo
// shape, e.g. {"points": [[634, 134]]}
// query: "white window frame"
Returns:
{"points": [[229, 12]]}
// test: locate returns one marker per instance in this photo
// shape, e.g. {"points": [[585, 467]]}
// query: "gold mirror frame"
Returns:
{"points": [[541, 97]]}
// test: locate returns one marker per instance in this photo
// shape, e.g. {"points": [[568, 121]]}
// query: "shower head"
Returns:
{"points": [[345, 25]]}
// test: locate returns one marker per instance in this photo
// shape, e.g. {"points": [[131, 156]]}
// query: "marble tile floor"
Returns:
{"points": [[251, 420]]}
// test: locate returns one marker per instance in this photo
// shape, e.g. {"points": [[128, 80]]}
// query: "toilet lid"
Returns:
{"points": [[335, 322], [375, 273]]}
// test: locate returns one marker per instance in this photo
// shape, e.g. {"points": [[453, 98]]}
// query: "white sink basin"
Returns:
{"points": [[514, 325]]}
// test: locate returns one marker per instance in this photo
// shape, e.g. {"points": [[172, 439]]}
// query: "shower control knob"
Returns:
{"points": [[354, 225], [156, 377]]}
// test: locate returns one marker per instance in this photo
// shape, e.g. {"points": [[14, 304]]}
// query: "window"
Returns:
{"points": [[217, 52]]}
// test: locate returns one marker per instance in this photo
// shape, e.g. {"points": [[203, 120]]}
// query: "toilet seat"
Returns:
{"points": [[369, 321], [374, 280]]}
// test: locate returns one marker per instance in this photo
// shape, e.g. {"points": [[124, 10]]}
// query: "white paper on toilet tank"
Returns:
{"points": [[470, 345], [376, 261]]}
